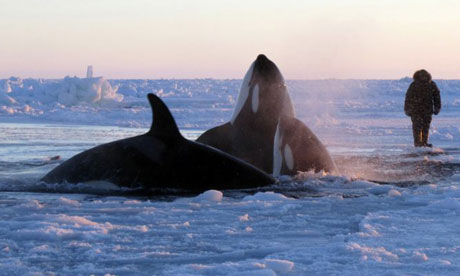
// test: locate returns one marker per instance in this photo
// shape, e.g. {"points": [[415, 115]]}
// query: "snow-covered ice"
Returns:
{"points": [[394, 210]]}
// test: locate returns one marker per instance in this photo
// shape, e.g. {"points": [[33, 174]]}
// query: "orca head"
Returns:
{"points": [[263, 93], [296, 148], [266, 72]]}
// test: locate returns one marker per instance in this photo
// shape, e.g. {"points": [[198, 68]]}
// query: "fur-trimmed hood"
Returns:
{"points": [[422, 76]]}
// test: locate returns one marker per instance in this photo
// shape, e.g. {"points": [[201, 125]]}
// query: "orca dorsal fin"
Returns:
{"points": [[163, 123]]}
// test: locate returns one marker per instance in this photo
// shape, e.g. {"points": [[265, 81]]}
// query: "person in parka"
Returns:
{"points": [[422, 100]]}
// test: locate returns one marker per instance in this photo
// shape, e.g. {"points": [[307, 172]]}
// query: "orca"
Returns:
{"points": [[264, 99], [160, 159], [296, 148]]}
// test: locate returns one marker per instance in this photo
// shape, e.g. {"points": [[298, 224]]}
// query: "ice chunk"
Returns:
{"points": [[266, 196], [244, 217], [211, 195], [7, 87], [419, 257], [281, 266], [7, 100], [73, 91], [394, 193]]}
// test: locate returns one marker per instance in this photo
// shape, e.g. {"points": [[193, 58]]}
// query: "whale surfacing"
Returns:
{"points": [[161, 158], [296, 148], [250, 134]]}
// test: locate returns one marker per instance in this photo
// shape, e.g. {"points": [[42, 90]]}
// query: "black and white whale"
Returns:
{"points": [[161, 158], [250, 134], [296, 148]]}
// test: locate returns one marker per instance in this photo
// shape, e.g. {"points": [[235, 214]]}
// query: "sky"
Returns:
{"points": [[354, 39]]}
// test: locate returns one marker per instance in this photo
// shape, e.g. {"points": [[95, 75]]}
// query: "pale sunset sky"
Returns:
{"points": [[219, 39]]}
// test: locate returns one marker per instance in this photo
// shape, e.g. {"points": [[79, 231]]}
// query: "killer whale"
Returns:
{"points": [[161, 158], [296, 148], [262, 101]]}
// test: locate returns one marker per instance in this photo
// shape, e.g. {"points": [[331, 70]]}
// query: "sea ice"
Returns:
{"points": [[313, 224]]}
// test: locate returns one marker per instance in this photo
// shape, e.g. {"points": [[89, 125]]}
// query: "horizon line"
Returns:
{"points": [[212, 78]]}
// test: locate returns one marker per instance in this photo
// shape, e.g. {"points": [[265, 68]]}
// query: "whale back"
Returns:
{"points": [[159, 159]]}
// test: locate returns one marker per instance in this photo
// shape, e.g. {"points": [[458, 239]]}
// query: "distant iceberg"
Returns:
{"points": [[74, 91], [69, 91]]}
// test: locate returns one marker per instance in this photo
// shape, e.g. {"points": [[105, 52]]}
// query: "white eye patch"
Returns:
{"points": [[277, 157], [288, 157], [255, 99], [243, 95]]}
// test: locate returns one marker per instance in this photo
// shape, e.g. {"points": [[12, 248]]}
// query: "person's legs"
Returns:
{"points": [[417, 131], [426, 130]]}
